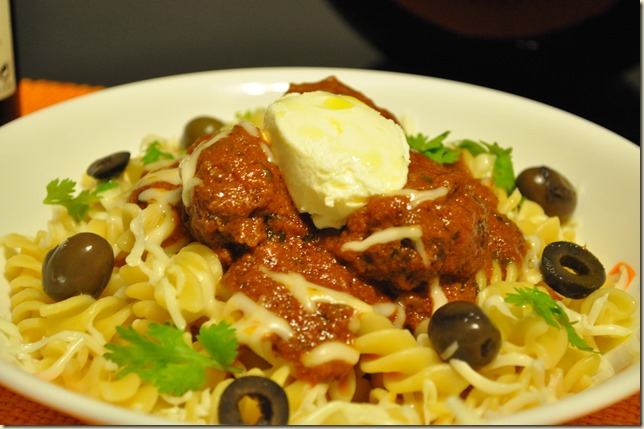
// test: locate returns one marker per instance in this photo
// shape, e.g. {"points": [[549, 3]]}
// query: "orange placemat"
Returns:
{"points": [[18, 410], [37, 94]]}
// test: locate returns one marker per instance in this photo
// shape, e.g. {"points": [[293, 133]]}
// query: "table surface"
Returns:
{"points": [[15, 409]]}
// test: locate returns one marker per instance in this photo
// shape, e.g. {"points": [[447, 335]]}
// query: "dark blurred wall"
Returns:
{"points": [[109, 42]]}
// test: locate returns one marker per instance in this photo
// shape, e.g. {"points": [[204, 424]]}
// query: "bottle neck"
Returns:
{"points": [[8, 79]]}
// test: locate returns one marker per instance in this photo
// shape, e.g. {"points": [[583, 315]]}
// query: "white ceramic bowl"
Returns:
{"points": [[61, 141]]}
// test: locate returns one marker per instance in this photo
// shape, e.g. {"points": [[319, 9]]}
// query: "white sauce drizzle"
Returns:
{"points": [[169, 197], [330, 351], [159, 195], [188, 166], [310, 294], [416, 197], [256, 322], [394, 233], [438, 295]]}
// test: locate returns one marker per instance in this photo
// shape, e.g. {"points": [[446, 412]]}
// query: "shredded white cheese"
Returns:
{"points": [[394, 233]]}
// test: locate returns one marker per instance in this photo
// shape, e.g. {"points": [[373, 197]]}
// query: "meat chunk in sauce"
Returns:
{"points": [[334, 86], [326, 321], [240, 200], [462, 231]]}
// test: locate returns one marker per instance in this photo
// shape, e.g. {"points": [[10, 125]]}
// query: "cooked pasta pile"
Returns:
{"points": [[64, 342]]}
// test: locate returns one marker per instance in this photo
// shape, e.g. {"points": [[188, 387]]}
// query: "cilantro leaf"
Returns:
{"points": [[475, 148], [434, 148], [502, 170], [105, 186], [61, 192], [247, 114], [153, 153], [220, 341], [550, 310], [163, 358]]}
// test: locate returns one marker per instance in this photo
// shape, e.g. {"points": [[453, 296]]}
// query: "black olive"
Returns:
{"points": [[550, 189], [463, 326], [109, 166], [571, 269], [272, 400], [197, 127], [82, 264]]}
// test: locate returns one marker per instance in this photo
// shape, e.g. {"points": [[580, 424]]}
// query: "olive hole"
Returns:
{"points": [[250, 410], [574, 265], [253, 400], [255, 409]]}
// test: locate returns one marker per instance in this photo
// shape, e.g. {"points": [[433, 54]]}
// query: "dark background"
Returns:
{"points": [[103, 42]]}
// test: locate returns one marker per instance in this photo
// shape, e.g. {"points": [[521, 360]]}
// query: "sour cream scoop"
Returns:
{"points": [[335, 152]]}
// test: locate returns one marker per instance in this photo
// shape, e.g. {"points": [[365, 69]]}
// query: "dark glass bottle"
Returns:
{"points": [[9, 97]]}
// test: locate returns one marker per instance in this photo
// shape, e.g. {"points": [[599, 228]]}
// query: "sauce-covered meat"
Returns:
{"points": [[241, 199], [462, 231], [327, 321]]}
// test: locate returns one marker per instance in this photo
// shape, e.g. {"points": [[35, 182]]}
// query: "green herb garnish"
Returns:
{"points": [[153, 153], [502, 170], [247, 114], [434, 148], [61, 192], [550, 310], [164, 359]]}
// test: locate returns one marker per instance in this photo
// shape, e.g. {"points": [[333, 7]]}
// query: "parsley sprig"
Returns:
{"points": [[434, 148], [153, 153], [164, 359], [502, 170], [550, 310], [246, 114], [61, 192]]}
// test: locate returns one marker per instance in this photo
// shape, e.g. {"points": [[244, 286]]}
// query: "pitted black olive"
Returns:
{"points": [[197, 127], [461, 327], [109, 166], [82, 264], [271, 397], [571, 269], [550, 189]]}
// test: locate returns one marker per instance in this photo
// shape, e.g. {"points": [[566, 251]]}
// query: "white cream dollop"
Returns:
{"points": [[335, 152]]}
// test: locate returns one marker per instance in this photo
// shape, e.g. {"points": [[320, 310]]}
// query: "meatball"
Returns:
{"points": [[240, 199]]}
